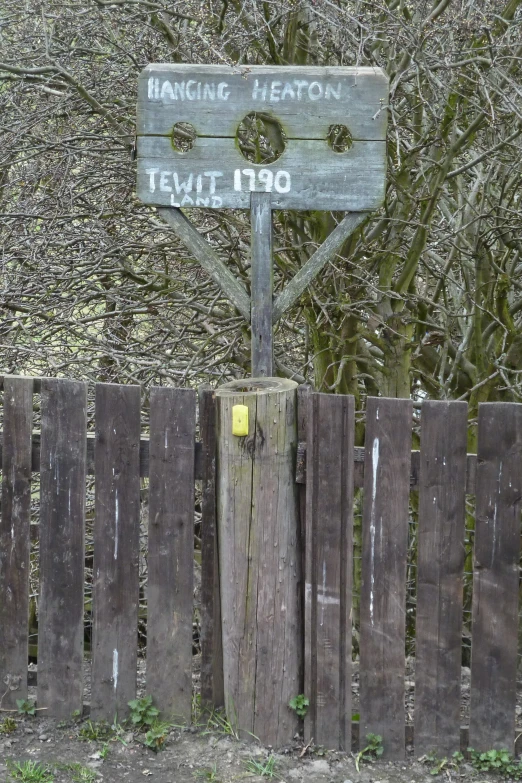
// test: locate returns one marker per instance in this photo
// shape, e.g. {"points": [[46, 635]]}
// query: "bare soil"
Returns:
{"points": [[190, 755], [195, 754]]}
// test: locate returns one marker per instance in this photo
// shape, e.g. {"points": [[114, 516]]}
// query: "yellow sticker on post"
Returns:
{"points": [[240, 420]]}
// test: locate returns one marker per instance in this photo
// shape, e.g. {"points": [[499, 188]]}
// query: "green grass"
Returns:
{"points": [[79, 773], [209, 774], [29, 772], [99, 730], [265, 769], [7, 726]]}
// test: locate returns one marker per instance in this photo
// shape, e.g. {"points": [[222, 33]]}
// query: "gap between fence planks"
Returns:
{"points": [[171, 550], [383, 585], [62, 546], [15, 539], [212, 688], [440, 566], [496, 577], [328, 575], [116, 550]]}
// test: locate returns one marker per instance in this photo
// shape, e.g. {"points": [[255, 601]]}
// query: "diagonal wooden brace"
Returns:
{"points": [[315, 263], [208, 259], [231, 286]]}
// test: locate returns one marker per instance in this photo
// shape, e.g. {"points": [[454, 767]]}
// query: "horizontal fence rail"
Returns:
{"points": [[394, 488]]}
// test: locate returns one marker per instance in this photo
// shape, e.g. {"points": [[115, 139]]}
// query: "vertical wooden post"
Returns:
{"points": [[15, 539], [262, 284], [260, 567]]}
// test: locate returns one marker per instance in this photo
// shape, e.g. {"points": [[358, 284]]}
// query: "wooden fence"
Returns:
{"points": [[330, 470]]}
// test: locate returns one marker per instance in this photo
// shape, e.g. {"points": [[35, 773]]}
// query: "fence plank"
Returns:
{"points": [[328, 586], [384, 551], [63, 458], [303, 393], [495, 577], [212, 690], [116, 550], [15, 539], [438, 638], [171, 550]]}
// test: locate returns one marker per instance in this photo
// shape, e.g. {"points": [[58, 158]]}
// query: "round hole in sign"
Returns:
{"points": [[339, 138], [183, 136], [260, 138]]}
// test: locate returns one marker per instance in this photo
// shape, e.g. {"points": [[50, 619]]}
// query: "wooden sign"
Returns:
{"points": [[307, 102]]}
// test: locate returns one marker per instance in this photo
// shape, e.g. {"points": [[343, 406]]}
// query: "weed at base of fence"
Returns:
{"points": [[143, 712], [499, 761], [95, 731], [299, 704], [212, 720], [156, 735], [372, 751], [442, 764], [25, 707]]}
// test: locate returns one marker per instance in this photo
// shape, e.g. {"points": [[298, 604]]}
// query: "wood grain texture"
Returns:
{"points": [[383, 587], [329, 567], [362, 95], [309, 271], [262, 285], [62, 546], [211, 642], [15, 539], [440, 564], [496, 577], [259, 560], [208, 259], [170, 585], [116, 550], [319, 178]]}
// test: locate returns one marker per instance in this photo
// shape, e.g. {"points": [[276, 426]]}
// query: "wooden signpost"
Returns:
{"points": [[257, 501], [309, 174]]}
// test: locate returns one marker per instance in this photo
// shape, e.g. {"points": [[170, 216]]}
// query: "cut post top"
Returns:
{"points": [[255, 386]]}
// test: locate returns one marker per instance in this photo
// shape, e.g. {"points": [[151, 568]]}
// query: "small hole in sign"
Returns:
{"points": [[339, 138], [183, 136], [261, 138]]}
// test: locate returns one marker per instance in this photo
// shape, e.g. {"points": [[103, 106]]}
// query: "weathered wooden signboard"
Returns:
{"points": [[306, 101], [313, 106]]}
